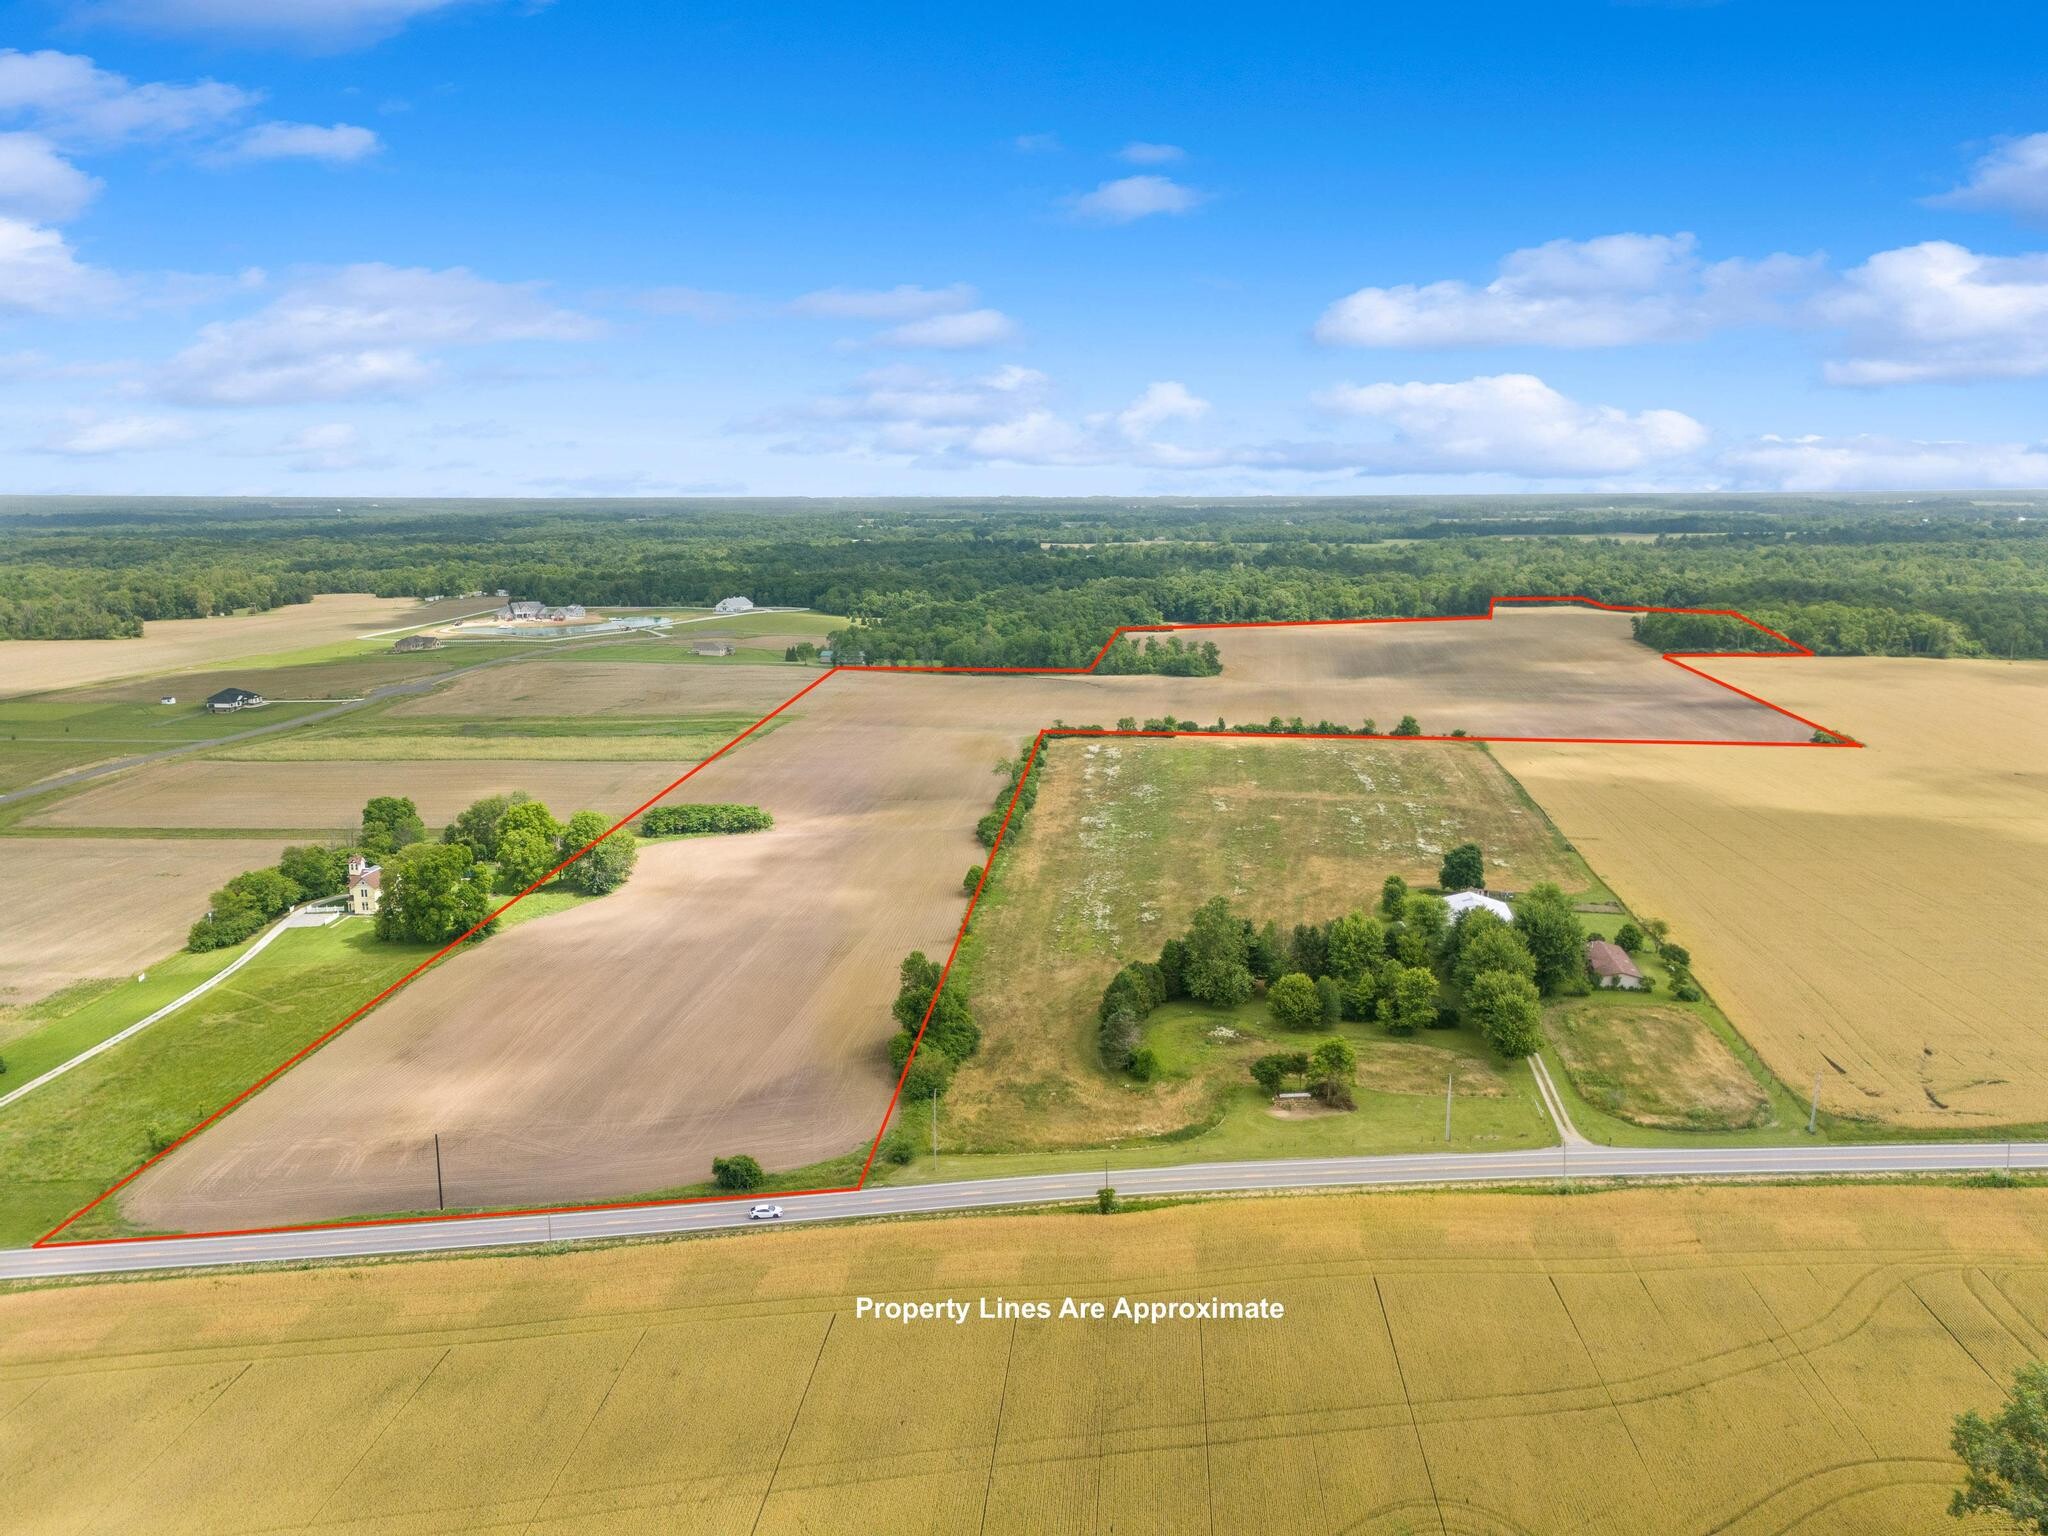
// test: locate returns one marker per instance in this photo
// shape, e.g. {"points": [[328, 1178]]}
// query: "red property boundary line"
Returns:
{"points": [[1792, 649]]}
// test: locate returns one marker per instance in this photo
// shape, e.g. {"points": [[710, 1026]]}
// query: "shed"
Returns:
{"points": [[1612, 967]]}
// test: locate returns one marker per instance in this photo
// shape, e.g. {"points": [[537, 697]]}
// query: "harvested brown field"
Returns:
{"points": [[736, 999], [84, 907], [1748, 1361], [1866, 915], [194, 792], [178, 645]]}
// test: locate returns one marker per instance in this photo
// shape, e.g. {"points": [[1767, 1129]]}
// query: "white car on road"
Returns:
{"points": [[764, 1213]]}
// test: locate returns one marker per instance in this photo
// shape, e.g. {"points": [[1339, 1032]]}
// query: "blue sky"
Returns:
{"points": [[449, 247]]}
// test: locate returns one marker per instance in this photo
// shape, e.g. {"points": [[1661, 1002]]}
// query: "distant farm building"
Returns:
{"points": [[1611, 966], [365, 886], [169, 698], [564, 613], [520, 610], [418, 643], [1461, 902], [734, 605], [713, 647], [228, 700]]}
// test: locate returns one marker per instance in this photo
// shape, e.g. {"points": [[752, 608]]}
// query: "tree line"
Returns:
{"points": [[1042, 583]]}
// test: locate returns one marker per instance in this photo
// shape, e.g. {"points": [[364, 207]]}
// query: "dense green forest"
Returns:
{"points": [[1041, 583]]}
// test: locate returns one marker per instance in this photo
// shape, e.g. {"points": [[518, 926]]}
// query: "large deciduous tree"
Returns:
{"points": [[1550, 929], [1216, 968], [1485, 943], [1355, 944], [1463, 869], [1294, 1002], [1507, 1011], [2005, 1457], [432, 892], [1408, 1000], [390, 822], [609, 859]]}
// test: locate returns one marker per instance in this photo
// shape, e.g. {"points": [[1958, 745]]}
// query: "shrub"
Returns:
{"points": [[1294, 1002], [736, 1173], [930, 1075], [1407, 727], [1334, 1095], [1685, 989], [1334, 1059], [1143, 1064], [971, 881], [1106, 1201], [897, 1148], [691, 820], [1677, 956], [1628, 938]]}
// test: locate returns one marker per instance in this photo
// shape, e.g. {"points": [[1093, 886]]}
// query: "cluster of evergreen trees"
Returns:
{"points": [[1042, 583]]}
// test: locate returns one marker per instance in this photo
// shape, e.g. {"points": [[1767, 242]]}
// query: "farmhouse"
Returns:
{"points": [[713, 647], [229, 700], [520, 610], [365, 886], [734, 605], [1461, 902], [418, 643], [1611, 966], [562, 614]]}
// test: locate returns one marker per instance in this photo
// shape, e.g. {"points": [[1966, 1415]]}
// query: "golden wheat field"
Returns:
{"points": [[1870, 915], [1743, 1360]]}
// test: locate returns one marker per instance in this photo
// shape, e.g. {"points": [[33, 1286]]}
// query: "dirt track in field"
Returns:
{"points": [[734, 996], [123, 898]]}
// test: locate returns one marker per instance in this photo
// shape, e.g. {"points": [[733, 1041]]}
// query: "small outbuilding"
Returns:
{"points": [[1461, 902], [228, 700], [713, 647], [1612, 967]]}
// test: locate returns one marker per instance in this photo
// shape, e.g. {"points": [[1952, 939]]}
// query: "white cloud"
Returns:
{"points": [[73, 100], [1510, 423], [304, 23], [946, 420], [339, 144], [40, 274], [327, 447], [38, 183], [906, 301], [89, 436], [1136, 197], [966, 328], [1868, 463], [1615, 290], [2012, 178], [1940, 311], [1138, 152], [362, 330]]}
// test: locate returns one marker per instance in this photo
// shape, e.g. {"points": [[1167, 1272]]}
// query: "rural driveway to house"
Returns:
{"points": [[1565, 1162]]}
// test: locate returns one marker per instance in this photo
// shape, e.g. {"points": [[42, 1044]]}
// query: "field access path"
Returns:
{"points": [[668, 1219], [733, 1017]]}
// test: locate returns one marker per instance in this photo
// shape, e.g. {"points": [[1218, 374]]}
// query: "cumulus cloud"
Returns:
{"points": [[1871, 463], [962, 329], [1138, 152], [1002, 417], [300, 23], [38, 183], [72, 100], [1511, 423], [1615, 290], [369, 329], [327, 447], [906, 301], [89, 436], [40, 273], [1939, 311], [337, 144], [2012, 178], [1136, 197]]}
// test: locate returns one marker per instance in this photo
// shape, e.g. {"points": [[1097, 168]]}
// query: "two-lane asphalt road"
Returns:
{"points": [[1551, 1163]]}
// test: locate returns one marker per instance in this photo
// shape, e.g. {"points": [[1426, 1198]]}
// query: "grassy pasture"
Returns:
{"points": [[1127, 839], [1656, 1065], [1744, 1360], [66, 1142], [378, 736]]}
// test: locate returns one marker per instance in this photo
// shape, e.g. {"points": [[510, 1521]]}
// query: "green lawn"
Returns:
{"points": [[41, 737], [45, 1034], [65, 1143]]}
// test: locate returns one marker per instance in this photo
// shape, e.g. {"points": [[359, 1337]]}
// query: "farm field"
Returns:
{"points": [[1836, 902], [708, 1008], [1129, 837], [1751, 1360], [81, 908], [182, 645]]}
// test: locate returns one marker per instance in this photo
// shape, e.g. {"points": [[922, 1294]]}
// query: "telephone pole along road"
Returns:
{"points": [[1586, 1162]]}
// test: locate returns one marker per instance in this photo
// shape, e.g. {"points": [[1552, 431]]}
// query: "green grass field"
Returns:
{"points": [[376, 735], [45, 1034], [40, 737], [66, 1142]]}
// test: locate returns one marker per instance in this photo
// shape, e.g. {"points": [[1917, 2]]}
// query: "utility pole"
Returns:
{"points": [[1813, 1114], [935, 1128], [440, 1195], [1447, 1104]]}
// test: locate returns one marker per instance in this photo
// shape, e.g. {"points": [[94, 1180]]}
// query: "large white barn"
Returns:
{"points": [[1461, 902]]}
